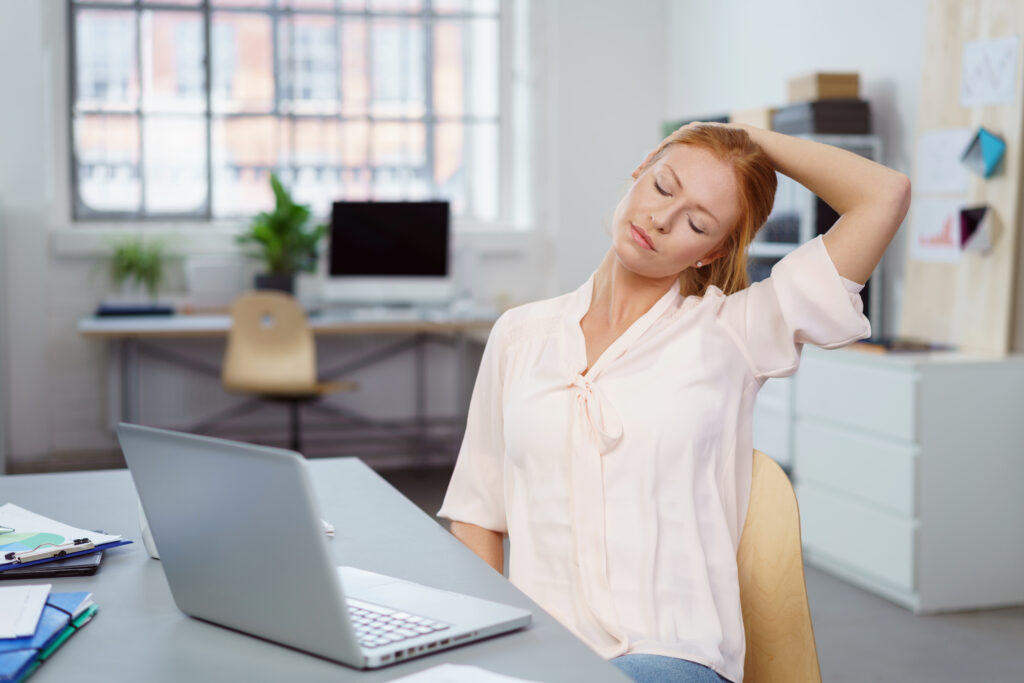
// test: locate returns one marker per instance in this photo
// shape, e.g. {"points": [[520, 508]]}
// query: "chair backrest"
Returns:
{"points": [[270, 346], [773, 591]]}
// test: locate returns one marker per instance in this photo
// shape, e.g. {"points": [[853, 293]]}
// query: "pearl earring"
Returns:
{"points": [[699, 264]]}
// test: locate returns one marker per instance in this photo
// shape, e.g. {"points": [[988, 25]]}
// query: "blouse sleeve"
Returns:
{"points": [[476, 491], [804, 301]]}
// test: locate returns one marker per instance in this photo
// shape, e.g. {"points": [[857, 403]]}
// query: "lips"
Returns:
{"points": [[641, 238]]}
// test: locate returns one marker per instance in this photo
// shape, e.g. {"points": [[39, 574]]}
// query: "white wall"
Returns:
{"points": [[732, 55], [599, 67], [606, 101]]}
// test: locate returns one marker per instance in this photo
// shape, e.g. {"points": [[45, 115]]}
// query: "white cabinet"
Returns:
{"points": [[909, 471]]}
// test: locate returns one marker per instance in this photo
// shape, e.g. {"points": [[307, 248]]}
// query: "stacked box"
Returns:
{"points": [[824, 86], [824, 117]]}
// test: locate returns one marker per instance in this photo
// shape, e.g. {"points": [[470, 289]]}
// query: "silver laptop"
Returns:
{"points": [[242, 544]]}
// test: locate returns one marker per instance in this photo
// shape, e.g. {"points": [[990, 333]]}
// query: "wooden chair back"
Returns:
{"points": [[270, 349], [773, 590]]}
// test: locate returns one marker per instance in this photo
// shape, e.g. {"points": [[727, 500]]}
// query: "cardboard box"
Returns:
{"points": [[835, 117], [824, 86], [760, 117]]}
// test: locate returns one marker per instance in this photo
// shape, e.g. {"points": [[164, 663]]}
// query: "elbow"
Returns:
{"points": [[900, 194]]}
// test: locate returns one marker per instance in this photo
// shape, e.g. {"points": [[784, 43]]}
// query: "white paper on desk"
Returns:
{"points": [[20, 609], [939, 170], [31, 530], [989, 73], [459, 673]]}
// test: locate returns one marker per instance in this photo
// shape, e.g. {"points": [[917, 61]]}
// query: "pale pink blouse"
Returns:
{"points": [[624, 491]]}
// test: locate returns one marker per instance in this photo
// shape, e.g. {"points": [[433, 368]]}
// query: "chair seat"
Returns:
{"points": [[298, 393]]}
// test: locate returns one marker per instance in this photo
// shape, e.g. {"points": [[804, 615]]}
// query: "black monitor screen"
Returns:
{"points": [[389, 239]]}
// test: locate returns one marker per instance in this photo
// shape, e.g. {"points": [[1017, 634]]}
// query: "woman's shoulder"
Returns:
{"points": [[535, 317]]}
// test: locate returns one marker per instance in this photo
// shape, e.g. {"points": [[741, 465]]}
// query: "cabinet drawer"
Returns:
{"points": [[872, 399], [859, 536], [881, 472], [773, 430]]}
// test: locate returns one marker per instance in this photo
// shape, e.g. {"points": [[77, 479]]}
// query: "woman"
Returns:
{"points": [[609, 433]]}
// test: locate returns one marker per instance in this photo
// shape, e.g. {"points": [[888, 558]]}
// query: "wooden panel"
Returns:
{"points": [[969, 303], [878, 471], [870, 399], [858, 535]]}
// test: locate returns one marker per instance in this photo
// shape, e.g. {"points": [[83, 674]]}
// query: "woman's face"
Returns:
{"points": [[677, 212]]}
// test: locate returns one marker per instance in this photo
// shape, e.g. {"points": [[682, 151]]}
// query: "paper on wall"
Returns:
{"points": [[935, 230], [989, 73], [939, 170]]}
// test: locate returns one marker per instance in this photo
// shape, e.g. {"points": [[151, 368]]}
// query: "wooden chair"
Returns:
{"points": [[773, 591], [271, 353]]}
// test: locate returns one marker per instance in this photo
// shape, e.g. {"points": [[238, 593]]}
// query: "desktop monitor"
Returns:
{"points": [[389, 253]]}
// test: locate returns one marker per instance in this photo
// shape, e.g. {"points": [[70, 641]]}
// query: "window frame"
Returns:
{"points": [[512, 214]]}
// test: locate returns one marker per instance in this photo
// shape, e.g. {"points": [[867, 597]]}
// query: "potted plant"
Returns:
{"points": [[286, 244], [139, 265]]}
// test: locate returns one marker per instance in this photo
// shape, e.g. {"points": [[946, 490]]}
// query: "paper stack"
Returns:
{"points": [[60, 617]]}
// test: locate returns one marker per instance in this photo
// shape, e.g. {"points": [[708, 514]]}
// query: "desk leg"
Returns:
{"points": [[461, 398], [421, 397], [129, 379]]}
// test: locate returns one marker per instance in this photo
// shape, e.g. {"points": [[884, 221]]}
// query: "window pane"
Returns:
{"points": [[107, 152], [356, 143], [466, 168], [172, 62], [172, 2], [307, 4], [397, 67], [475, 6], [243, 63], [308, 65], [240, 3], [399, 161], [484, 165], [395, 5], [355, 86], [314, 142], [466, 67], [245, 150], [174, 164], [106, 72]]}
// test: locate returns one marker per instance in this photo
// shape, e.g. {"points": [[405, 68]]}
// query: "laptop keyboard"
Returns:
{"points": [[377, 626]]}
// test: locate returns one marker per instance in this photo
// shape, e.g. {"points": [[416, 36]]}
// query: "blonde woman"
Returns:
{"points": [[609, 432]]}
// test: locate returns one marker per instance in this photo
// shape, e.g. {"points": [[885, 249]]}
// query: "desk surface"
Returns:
{"points": [[329, 321], [139, 635]]}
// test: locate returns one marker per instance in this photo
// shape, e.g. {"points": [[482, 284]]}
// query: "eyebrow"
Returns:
{"points": [[699, 207]]}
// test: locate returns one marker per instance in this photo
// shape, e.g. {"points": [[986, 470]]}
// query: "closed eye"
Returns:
{"points": [[696, 229], [660, 189]]}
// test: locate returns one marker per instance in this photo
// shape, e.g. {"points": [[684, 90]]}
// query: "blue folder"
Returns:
{"points": [[94, 549], [62, 615]]}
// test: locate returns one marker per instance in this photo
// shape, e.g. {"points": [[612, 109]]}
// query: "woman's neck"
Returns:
{"points": [[621, 296]]}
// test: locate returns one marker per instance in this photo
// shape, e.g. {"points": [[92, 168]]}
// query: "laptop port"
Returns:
{"points": [[398, 655], [385, 658], [445, 641], [411, 651]]}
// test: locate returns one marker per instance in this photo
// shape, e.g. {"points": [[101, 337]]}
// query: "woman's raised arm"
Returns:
{"points": [[871, 200]]}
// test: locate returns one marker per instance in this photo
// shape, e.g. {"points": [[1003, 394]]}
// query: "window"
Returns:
{"points": [[182, 108]]}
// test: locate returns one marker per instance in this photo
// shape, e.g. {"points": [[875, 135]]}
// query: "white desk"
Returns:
{"points": [[132, 336], [139, 635]]}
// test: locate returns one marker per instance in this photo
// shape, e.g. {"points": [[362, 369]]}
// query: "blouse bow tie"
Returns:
{"points": [[605, 424]]}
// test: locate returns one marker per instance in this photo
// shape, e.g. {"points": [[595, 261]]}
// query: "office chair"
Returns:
{"points": [[773, 591], [271, 353]]}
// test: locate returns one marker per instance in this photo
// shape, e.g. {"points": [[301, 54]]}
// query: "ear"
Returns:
{"points": [[714, 256]]}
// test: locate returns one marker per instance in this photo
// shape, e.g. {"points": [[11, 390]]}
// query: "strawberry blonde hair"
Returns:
{"points": [[757, 181]]}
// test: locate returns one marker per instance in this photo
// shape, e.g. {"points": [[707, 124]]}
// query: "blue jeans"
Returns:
{"points": [[659, 669]]}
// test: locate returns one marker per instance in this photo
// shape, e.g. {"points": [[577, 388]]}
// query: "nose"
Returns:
{"points": [[660, 223]]}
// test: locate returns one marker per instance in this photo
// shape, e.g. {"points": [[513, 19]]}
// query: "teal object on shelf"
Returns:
{"points": [[984, 153]]}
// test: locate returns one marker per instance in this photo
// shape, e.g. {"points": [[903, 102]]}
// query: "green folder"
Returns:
{"points": [[68, 631]]}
